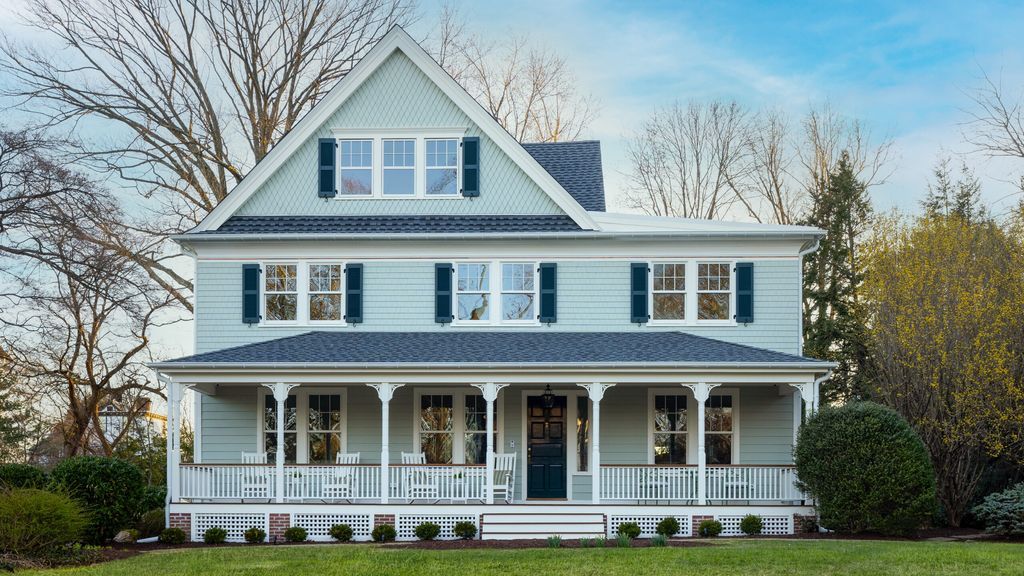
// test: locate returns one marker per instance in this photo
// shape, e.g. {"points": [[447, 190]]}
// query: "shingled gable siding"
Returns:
{"points": [[592, 296], [398, 95]]}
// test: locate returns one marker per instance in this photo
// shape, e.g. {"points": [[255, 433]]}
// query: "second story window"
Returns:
{"points": [[442, 167], [714, 291], [496, 293], [517, 291], [668, 291], [474, 287], [281, 300], [325, 288], [399, 168], [356, 167]]}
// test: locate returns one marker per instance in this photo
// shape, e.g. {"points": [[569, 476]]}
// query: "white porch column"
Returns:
{"points": [[595, 391], [490, 391], [385, 391], [173, 440], [281, 391], [809, 394], [701, 391]]}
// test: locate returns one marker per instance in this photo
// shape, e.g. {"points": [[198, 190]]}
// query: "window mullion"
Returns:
{"points": [[459, 428], [496, 288]]}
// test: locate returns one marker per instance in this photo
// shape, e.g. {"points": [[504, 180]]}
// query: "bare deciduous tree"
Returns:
{"points": [[826, 135]]}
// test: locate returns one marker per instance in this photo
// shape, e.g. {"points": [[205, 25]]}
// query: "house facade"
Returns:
{"points": [[404, 315]]}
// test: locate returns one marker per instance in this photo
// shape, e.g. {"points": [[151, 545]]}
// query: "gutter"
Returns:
{"points": [[212, 237], [485, 365], [809, 249]]}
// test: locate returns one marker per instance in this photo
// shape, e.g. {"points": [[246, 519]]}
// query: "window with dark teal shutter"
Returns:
{"points": [[443, 293], [470, 166], [638, 293], [744, 292], [548, 296], [353, 293], [328, 186], [251, 293]]}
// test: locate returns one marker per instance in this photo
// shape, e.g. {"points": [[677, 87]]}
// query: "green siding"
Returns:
{"points": [[228, 424], [592, 296], [398, 95], [766, 425]]}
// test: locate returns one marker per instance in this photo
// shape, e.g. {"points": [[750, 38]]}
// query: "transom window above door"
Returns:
{"points": [[399, 164]]}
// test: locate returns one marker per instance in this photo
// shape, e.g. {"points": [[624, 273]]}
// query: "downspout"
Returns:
{"points": [[800, 301]]}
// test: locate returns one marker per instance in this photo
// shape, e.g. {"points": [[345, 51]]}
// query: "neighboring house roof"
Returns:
{"points": [[431, 224], [493, 348], [576, 166]]}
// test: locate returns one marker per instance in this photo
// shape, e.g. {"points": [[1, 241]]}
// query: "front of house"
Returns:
{"points": [[403, 315]]}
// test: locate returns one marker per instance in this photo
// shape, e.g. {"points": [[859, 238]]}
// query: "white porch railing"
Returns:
{"points": [[679, 483], [339, 482], [752, 483], [437, 482], [227, 481]]}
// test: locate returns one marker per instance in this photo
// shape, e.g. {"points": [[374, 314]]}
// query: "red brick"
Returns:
{"points": [[696, 523], [379, 519], [182, 520], [278, 524]]}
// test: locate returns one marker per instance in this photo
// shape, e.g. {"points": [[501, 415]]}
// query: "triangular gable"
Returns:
{"points": [[395, 40]]}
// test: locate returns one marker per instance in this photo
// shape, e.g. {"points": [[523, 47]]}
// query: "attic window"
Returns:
{"points": [[356, 168], [399, 164]]}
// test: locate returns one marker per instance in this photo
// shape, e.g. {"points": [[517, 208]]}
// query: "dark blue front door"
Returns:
{"points": [[545, 435]]}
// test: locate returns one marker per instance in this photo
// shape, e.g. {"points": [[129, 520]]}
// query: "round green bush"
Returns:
{"points": [[255, 535], [668, 527], [630, 530], [215, 535], [751, 525], [709, 528], [1003, 512], [22, 476], [427, 531], [341, 532], [111, 490], [383, 533], [34, 522], [867, 469], [173, 536], [154, 497], [151, 523], [295, 534], [465, 530]]}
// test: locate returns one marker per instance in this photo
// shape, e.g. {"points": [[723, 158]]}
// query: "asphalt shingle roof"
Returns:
{"points": [[576, 166], [492, 347], [398, 224]]}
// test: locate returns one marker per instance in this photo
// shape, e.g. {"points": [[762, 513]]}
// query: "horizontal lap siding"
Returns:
{"points": [[398, 95], [766, 425], [229, 424], [592, 296]]}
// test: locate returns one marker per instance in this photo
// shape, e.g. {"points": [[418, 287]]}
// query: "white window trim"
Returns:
{"points": [[458, 419], [374, 183], [691, 420], [495, 292], [302, 394], [691, 302], [302, 306], [420, 137], [385, 169]]}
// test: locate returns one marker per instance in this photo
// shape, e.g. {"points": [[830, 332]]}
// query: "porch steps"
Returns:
{"points": [[526, 525]]}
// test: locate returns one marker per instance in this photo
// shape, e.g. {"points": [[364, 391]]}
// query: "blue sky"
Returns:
{"points": [[903, 68]]}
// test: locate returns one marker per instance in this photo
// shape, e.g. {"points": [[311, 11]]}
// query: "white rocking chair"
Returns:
{"points": [[418, 482], [505, 476], [254, 480], [339, 485]]}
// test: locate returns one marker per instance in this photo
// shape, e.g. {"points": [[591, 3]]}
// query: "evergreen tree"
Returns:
{"points": [[18, 426], [833, 322], [960, 198]]}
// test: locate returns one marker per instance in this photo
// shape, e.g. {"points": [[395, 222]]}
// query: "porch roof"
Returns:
{"points": [[495, 348]]}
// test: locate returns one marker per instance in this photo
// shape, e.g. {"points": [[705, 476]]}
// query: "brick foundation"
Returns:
{"points": [[696, 524], [803, 524], [379, 519], [182, 520], [278, 524]]}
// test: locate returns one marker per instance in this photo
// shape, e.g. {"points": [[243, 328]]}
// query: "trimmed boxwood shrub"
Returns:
{"points": [[465, 530], [173, 536], [35, 522], [151, 523], [383, 533], [22, 476], [255, 535], [295, 534], [630, 530], [751, 525], [668, 527], [427, 531], [867, 469], [111, 490], [1003, 512], [215, 535], [709, 528], [341, 532]]}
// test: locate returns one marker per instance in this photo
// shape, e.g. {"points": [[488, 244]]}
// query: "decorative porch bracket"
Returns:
{"points": [[385, 391], [490, 390], [809, 394], [701, 392], [280, 390], [595, 390]]}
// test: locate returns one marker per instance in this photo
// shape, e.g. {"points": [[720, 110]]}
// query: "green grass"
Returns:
{"points": [[723, 558]]}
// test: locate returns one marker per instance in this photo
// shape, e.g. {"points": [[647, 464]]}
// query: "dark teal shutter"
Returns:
{"points": [[744, 292], [353, 293], [443, 293], [471, 166], [251, 293], [638, 293], [327, 187], [548, 298]]}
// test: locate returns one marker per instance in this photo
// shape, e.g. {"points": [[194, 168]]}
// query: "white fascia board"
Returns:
{"points": [[395, 39], [621, 222]]}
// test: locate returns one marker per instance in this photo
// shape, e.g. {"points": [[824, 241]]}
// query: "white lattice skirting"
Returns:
{"points": [[648, 524], [235, 524]]}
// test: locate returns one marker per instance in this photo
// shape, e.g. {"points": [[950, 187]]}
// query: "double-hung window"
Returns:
{"points": [[668, 291], [475, 434], [437, 428], [714, 291], [356, 161], [718, 429], [473, 297], [452, 427], [691, 292], [669, 429], [399, 168], [518, 291], [325, 292], [324, 428], [281, 292], [314, 426], [496, 292], [442, 167]]}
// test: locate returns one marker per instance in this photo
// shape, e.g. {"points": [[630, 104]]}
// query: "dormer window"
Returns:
{"points": [[399, 164]]}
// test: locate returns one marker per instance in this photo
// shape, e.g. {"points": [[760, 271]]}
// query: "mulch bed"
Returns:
{"points": [[519, 544]]}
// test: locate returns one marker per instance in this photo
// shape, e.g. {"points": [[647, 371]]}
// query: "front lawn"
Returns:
{"points": [[726, 558]]}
